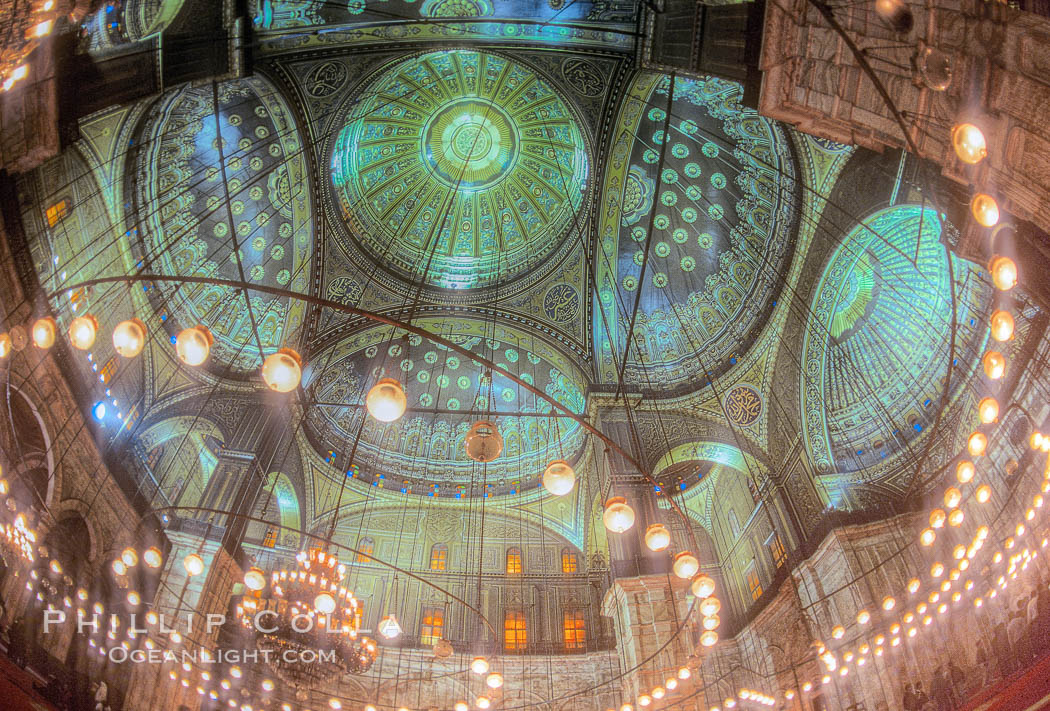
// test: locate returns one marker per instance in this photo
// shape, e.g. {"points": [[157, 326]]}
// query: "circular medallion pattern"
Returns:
{"points": [[461, 167], [743, 405]]}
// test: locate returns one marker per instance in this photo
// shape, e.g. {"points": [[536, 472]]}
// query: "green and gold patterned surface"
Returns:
{"points": [[461, 169], [876, 346], [424, 452], [722, 215], [189, 228]]}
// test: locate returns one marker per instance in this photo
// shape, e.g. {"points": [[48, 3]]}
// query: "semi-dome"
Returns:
{"points": [[721, 214], [423, 452], [877, 342], [193, 207]]}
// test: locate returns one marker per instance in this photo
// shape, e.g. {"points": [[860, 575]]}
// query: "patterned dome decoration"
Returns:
{"points": [[190, 230], [875, 352], [722, 212], [463, 166], [423, 452]]}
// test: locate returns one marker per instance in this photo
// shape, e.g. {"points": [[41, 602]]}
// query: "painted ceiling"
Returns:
{"points": [[714, 185], [424, 451], [183, 179], [461, 169], [877, 342], [530, 197]]}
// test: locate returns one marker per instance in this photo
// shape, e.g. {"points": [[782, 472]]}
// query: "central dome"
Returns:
{"points": [[470, 144], [461, 167]]}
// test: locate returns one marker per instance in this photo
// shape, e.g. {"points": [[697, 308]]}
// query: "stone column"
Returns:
{"points": [[646, 612]]}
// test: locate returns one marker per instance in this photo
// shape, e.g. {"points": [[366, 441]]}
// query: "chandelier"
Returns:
{"points": [[16, 535], [307, 623]]}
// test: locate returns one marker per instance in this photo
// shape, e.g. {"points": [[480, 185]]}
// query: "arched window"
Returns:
{"points": [[734, 524], [365, 546], [439, 557], [568, 561], [513, 560]]}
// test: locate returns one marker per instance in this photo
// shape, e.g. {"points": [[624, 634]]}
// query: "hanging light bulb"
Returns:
{"points": [[119, 567], [558, 477], [927, 537], [130, 557], [657, 537], [988, 410], [193, 345], [129, 337], [193, 564], [483, 442], [324, 603], [703, 586], [390, 627], [863, 617], [461, 706], [969, 143], [955, 518], [5, 345], [483, 702], [134, 598], [82, 332], [994, 364], [685, 565], [1004, 273], [952, 497], [983, 493], [684, 673], [964, 471], [494, 680], [888, 603], [386, 400], [618, 516], [1002, 325], [710, 606], [838, 631], [711, 622], [152, 557], [937, 518], [977, 443], [709, 638], [658, 692], [896, 14], [254, 579], [479, 665], [985, 210], [44, 333], [282, 371]]}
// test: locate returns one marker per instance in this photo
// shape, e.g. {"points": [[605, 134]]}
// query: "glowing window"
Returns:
{"points": [[432, 627], [514, 560], [568, 561], [56, 212], [574, 630], [270, 538], [752, 582], [365, 546], [515, 634], [776, 549], [439, 557]]}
